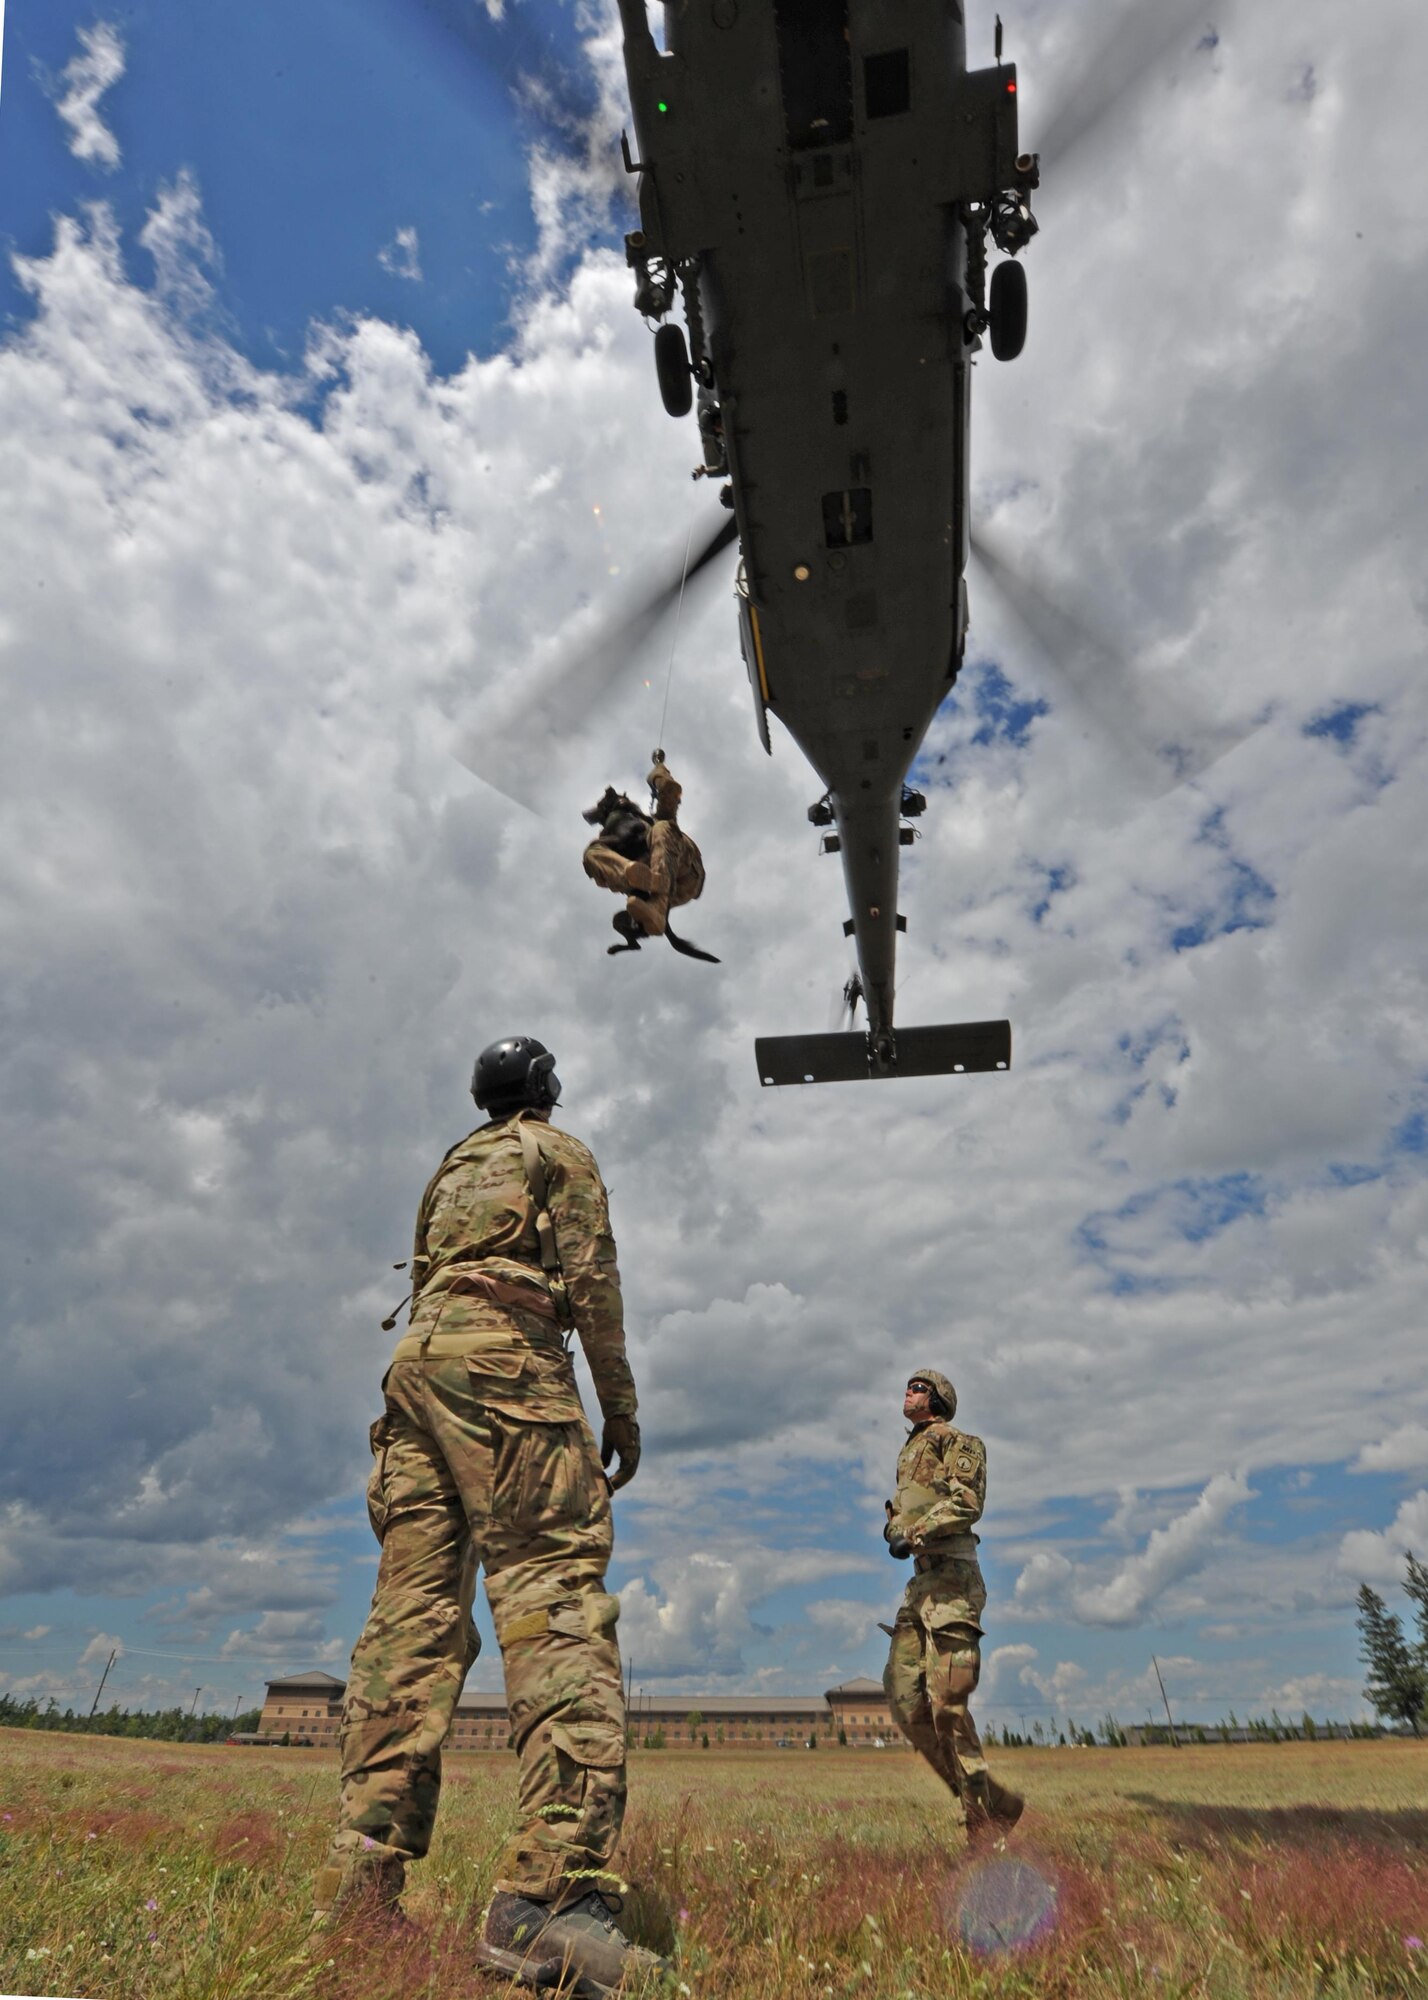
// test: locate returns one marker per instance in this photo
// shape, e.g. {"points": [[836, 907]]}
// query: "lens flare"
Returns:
{"points": [[1002, 1904]]}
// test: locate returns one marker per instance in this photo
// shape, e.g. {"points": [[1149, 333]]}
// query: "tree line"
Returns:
{"points": [[168, 1725]]}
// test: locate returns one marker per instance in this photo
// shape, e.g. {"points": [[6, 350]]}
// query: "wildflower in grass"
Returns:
{"points": [[1414, 1943], [152, 1903], [684, 1918]]}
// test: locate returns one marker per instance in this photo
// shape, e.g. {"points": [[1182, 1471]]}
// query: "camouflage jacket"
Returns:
{"points": [[478, 1217], [941, 1486]]}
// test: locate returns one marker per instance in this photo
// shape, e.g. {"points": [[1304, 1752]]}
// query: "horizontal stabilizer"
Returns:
{"points": [[946, 1051]]}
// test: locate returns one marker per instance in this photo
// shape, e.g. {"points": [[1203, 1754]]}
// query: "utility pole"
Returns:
{"points": [[194, 1703], [1165, 1698], [237, 1704], [102, 1679]]}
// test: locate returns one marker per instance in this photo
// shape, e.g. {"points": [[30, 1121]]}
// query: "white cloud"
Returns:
{"points": [[260, 918], [99, 1649], [402, 256], [848, 1622], [1403, 1450], [1171, 1554], [38, 1632], [1369, 1557], [300, 1632], [1000, 1663], [86, 77], [1051, 1581], [695, 1616]]}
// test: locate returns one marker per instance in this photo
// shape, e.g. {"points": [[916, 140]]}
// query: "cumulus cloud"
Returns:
{"points": [[258, 917], [1051, 1580], [301, 1633], [85, 78], [1368, 1556], [695, 1616], [1403, 1450], [1001, 1664], [402, 256], [99, 1649]]}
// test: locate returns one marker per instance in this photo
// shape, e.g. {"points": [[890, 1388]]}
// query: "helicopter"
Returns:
{"points": [[819, 186], [819, 183]]}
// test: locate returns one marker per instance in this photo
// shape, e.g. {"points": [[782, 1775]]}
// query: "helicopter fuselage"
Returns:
{"points": [[816, 180]]}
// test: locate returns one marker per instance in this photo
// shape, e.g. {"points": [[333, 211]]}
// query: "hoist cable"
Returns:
{"points": [[675, 641]]}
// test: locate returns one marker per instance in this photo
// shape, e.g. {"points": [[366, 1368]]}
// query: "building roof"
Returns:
{"points": [[665, 1707]]}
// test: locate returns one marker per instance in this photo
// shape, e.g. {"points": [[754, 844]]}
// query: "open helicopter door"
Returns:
{"points": [[853, 1058]]}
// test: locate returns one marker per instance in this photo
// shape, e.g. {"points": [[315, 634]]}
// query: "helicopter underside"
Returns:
{"points": [[806, 172]]}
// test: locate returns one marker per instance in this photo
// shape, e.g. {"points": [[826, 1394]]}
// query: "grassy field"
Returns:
{"points": [[133, 1869]]}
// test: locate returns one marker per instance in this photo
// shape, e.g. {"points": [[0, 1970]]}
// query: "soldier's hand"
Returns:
{"points": [[899, 1547], [620, 1439]]}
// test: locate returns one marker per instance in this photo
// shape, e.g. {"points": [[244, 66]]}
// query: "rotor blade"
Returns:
{"points": [[531, 716], [1157, 733], [1116, 63]]}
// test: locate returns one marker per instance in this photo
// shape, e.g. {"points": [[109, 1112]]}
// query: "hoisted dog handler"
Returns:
{"points": [[484, 1458], [650, 861]]}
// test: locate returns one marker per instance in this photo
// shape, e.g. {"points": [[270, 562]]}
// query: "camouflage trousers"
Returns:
{"points": [[457, 1485], [934, 1663], [646, 891]]}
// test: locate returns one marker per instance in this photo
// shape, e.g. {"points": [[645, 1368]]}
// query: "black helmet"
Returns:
{"points": [[515, 1074]]}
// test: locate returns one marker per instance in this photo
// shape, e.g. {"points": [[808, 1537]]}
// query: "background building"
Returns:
{"points": [[307, 1708]]}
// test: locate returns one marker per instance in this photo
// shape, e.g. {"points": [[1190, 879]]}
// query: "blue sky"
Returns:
{"points": [[315, 133], [259, 915]]}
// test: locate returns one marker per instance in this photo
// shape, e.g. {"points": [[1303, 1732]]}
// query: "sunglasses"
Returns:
{"points": [[924, 1388]]}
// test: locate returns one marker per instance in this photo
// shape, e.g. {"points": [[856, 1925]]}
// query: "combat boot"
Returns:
{"points": [[579, 1949], [992, 1810], [355, 1885]]}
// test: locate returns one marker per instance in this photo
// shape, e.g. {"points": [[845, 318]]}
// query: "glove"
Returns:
{"points": [[899, 1547], [620, 1439]]}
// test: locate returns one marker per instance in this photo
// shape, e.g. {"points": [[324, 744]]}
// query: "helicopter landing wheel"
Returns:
{"points": [[1006, 310], [676, 382]]}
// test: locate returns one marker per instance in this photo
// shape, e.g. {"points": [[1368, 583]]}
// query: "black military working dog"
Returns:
{"points": [[626, 829]]}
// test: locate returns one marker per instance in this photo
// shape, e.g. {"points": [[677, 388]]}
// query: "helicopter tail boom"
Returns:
{"points": [[950, 1050]]}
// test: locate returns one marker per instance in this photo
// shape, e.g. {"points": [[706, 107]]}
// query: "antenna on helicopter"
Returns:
{"points": [[999, 38]]}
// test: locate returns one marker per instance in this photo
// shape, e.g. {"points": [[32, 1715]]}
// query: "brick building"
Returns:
{"points": [[307, 1708]]}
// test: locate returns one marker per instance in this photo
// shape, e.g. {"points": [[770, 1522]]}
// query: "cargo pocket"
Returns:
{"points": [[592, 1615], [953, 1594], [495, 1373], [595, 1746]]}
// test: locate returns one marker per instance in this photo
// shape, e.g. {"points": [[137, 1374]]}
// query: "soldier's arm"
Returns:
{"points": [[421, 1261], [581, 1215], [962, 1493]]}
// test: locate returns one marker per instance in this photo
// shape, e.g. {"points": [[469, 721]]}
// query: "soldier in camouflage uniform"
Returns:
{"points": [[652, 863], [484, 1457], [935, 1657]]}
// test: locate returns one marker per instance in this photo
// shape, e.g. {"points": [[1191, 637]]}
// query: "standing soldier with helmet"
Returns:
{"points": [[935, 1658], [484, 1458]]}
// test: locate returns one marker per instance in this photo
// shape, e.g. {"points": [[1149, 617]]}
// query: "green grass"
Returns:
{"points": [[134, 1869]]}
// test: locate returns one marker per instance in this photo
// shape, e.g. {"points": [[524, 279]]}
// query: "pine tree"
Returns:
{"points": [[1416, 1584], [1397, 1683]]}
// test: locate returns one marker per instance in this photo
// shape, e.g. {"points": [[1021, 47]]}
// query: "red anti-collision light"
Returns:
{"points": [[1011, 86]]}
